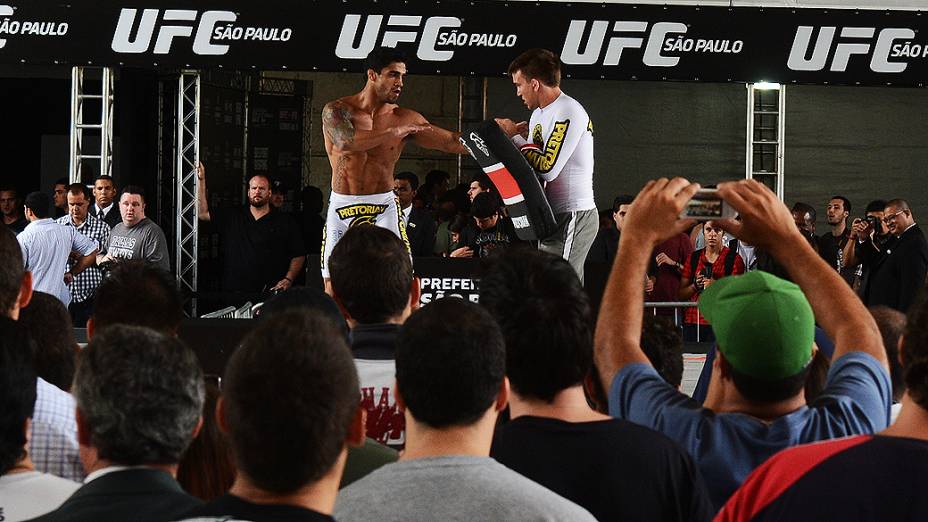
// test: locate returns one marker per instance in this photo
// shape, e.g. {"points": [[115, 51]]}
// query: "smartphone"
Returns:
{"points": [[706, 205]]}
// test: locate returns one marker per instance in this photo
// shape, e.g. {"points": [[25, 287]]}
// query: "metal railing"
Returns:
{"points": [[679, 313]]}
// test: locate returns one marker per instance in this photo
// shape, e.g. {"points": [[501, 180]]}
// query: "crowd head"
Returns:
{"points": [[140, 294], [450, 373], [371, 274], [139, 396], [294, 366], [524, 290]]}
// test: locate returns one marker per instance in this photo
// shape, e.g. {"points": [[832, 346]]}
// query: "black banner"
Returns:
{"points": [[595, 41]]}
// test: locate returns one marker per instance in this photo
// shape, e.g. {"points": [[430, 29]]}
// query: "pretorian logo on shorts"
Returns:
{"points": [[365, 213], [543, 161]]}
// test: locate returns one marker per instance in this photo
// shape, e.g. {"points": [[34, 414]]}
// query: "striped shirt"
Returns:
{"points": [[46, 246], [85, 284]]}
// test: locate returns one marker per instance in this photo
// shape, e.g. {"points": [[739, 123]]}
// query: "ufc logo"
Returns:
{"points": [[592, 47], [145, 30], [346, 48], [860, 42], [5, 10]]}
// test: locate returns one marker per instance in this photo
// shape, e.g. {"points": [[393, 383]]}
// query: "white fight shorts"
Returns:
{"points": [[346, 211]]}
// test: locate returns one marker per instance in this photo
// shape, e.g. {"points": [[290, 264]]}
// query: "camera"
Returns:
{"points": [[873, 222], [706, 205]]}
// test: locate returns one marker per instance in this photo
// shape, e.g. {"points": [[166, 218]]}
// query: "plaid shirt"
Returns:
{"points": [[85, 284], [53, 446]]}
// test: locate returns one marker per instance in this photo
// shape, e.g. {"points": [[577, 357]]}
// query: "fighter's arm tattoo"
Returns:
{"points": [[336, 123]]}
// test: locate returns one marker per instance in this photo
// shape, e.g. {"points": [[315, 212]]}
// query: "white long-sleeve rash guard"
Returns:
{"points": [[560, 150]]}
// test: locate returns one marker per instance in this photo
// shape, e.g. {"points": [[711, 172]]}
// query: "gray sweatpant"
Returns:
{"points": [[575, 234]]}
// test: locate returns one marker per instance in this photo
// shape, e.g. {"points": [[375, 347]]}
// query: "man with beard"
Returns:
{"points": [[831, 244], [365, 134], [261, 248]]}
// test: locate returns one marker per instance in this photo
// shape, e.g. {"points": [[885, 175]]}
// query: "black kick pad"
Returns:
{"points": [[515, 180]]}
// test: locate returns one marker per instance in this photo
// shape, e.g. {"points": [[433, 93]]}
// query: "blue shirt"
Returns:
{"points": [[46, 246], [728, 446]]}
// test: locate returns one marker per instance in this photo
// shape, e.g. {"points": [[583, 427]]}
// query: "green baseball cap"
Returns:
{"points": [[763, 324]]}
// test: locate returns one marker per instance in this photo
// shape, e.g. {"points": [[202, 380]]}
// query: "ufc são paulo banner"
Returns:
{"points": [[595, 41]]}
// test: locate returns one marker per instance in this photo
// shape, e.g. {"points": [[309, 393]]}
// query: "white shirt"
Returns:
{"points": [[29, 494], [106, 210], [46, 246], [560, 149], [406, 212]]}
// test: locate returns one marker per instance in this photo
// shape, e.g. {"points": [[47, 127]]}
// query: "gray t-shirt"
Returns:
{"points": [[452, 488], [30, 494], [144, 241]]}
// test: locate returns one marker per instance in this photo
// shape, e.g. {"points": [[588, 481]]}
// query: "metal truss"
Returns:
{"points": [[188, 157], [103, 126]]}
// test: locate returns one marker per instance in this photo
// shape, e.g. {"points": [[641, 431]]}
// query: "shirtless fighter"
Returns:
{"points": [[364, 136]]}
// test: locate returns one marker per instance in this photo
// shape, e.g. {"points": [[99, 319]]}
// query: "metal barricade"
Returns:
{"points": [[679, 314]]}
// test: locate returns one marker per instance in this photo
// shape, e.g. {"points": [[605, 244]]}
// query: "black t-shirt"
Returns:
{"points": [[828, 248], [255, 253], [230, 507], [615, 469], [486, 242], [19, 225]]}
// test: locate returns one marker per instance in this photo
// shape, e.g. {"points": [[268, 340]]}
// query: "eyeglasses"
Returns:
{"points": [[890, 218]]}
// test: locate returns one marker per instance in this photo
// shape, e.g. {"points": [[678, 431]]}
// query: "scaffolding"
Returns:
{"points": [[188, 157], [103, 157]]}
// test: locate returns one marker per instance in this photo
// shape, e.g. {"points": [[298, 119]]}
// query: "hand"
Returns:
{"points": [[649, 285], [664, 259], [654, 214], [201, 171], [707, 282], [522, 129], [408, 130], [102, 260], [68, 277], [508, 126], [463, 252], [765, 221], [283, 284]]}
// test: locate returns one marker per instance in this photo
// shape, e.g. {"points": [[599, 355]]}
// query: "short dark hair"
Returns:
{"points": [[538, 64], [485, 205], [915, 351], [899, 203], [105, 177], [17, 391], [49, 324], [877, 205], [484, 181], [437, 176], [892, 325], [12, 270], [410, 177], [545, 317], [62, 181], [140, 294], [371, 273], [458, 224], [450, 363], [765, 391], [844, 201], [621, 199], [291, 393], [804, 208], [134, 189], [140, 393], [76, 189], [39, 203], [662, 343], [307, 299], [381, 57]]}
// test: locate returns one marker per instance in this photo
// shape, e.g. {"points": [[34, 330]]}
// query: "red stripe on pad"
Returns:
{"points": [[506, 185], [766, 483]]}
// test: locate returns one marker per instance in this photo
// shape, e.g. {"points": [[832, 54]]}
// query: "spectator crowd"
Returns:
{"points": [[360, 405]]}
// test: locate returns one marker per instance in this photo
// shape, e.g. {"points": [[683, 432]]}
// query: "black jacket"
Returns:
{"points": [[113, 217], [421, 231], [137, 494], [897, 273]]}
